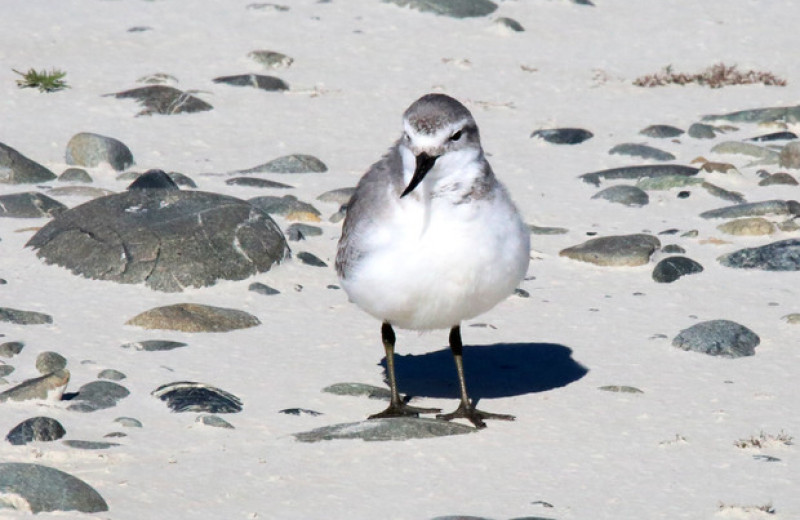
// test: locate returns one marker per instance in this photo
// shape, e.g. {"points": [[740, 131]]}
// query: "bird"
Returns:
{"points": [[431, 238]]}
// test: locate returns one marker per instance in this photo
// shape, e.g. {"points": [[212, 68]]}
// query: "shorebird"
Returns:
{"points": [[432, 238]]}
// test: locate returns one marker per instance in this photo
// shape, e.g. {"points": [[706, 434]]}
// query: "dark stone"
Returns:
{"points": [[540, 230], [780, 178], [165, 239], [186, 396], [255, 182], [31, 204], [730, 196], [774, 136], [5, 369], [621, 389], [87, 149], [295, 163], [673, 249], [97, 395], [15, 168], [42, 429], [24, 317], [563, 135], [641, 150], [451, 8], [509, 23], [309, 259], [89, 445], [722, 338], [163, 99], [670, 269], [48, 489], [75, 175], [260, 288], [299, 411], [624, 250], [298, 231], [702, 131], [625, 195], [755, 209], [638, 172], [783, 255], [661, 131], [259, 81], [394, 429], [282, 205], [128, 422], [10, 349], [153, 180], [192, 317], [154, 345]]}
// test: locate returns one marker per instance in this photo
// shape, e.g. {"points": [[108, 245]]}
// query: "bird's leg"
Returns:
{"points": [[397, 407], [466, 410]]}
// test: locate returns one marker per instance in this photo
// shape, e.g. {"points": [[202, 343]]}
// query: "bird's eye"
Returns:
{"points": [[456, 136]]}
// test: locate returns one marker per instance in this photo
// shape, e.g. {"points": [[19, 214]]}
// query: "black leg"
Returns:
{"points": [[466, 410], [397, 408]]}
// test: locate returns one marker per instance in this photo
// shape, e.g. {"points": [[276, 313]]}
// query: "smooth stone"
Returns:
{"points": [[114, 435], [639, 172], [774, 136], [282, 206], [187, 396], [748, 226], [31, 204], [667, 182], [20, 317], [98, 395], [359, 389], [620, 250], [192, 317], [673, 249], [641, 150], [153, 180], [625, 195], [91, 192], [780, 178], [41, 429], [15, 168], [166, 239], [394, 429], [295, 163], [310, 259], [790, 156], [451, 8], [38, 488], [90, 150], [111, 375], [48, 362], [722, 338], [339, 215], [670, 269], [719, 167], [128, 422], [661, 131], [256, 182], [721, 193], [299, 411], [544, 230], [260, 288], [6, 369], [259, 81], [792, 319], [89, 445], [620, 389], [75, 175], [10, 349], [271, 59], [783, 255], [298, 231], [163, 99], [563, 135], [509, 23], [702, 131], [755, 209], [748, 149], [338, 196], [214, 421], [759, 115], [47, 387], [154, 345]]}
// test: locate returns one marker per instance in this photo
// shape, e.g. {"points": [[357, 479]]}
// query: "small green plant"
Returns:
{"points": [[715, 76], [44, 81]]}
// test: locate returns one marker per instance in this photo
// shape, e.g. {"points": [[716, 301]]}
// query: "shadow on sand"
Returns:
{"points": [[492, 371]]}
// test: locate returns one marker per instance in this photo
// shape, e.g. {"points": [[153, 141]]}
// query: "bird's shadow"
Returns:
{"points": [[491, 371]]}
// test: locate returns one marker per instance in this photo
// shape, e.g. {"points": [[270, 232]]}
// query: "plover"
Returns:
{"points": [[432, 238]]}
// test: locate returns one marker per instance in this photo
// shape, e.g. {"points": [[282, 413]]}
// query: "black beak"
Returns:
{"points": [[424, 165]]}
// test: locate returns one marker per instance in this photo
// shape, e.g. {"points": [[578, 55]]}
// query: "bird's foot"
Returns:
{"points": [[474, 415], [403, 410]]}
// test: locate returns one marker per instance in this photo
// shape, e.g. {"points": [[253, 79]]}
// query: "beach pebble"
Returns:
{"points": [[15, 168], [41, 429], [6, 370], [774, 136], [758, 115], [48, 362], [667, 182], [792, 319], [750, 226], [192, 317], [545, 230], [259, 81], [111, 375], [755, 209], [256, 182], [790, 156], [21, 317], [338, 196], [75, 175], [730, 196], [563, 135], [780, 178], [38, 488], [89, 445], [747, 149], [661, 131], [48, 387], [31, 204], [359, 389], [722, 338], [187, 396], [509, 23], [271, 59], [299, 411], [783, 255], [620, 250], [97, 395], [673, 249], [295, 163], [10, 349], [298, 231], [283, 206], [90, 150], [670, 269], [166, 239], [214, 421], [641, 150], [128, 422], [702, 131], [622, 389], [260, 288], [153, 180], [394, 429], [310, 259], [163, 99], [154, 345], [460, 9], [639, 172], [625, 195]]}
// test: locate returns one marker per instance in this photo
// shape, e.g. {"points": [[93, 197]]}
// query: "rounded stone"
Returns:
{"points": [[625, 195], [111, 375], [620, 250], [42, 429], [661, 131], [783, 255], [752, 226], [42, 488], [15, 168], [75, 175], [48, 362], [191, 317], [670, 269], [88, 149], [563, 135], [187, 396], [722, 338]]}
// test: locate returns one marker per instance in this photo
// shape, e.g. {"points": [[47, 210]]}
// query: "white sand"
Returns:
{"points": [[668, 453]]}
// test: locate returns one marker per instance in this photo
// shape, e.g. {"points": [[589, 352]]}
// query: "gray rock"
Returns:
{"points": [[187, 396], [338, 196], [79, 191], [783, 255], [255, 182], [540, 230], [716, 191], [702, 131], [747, 149], [509, 23], [15, 168], [625, 195], [359, 389], [41, 429], [452, 8], [394, 429], [299, 411], [282, 205], [661, 131], [128, 422], [639, 172], [310, 259], [670, 269], [295, 163], [299, 231], [90, 150], [755, 209], [163, 99], [75, 175], [214, 421], [42, 488], [31, 204], [623, 250], [259, 81], [722, 338], [271, 59], [49, 387], [261, 288], [98, 395], [154, 345], [620, 389], [166, 239], [153, 180], [759, 115], [6, 370], [780, 178], [48, 362], [111, 375], [790, 156], [192, 317], [774, 136], [641, 150], [563, 135], [10, 349], [667, 182], [24, 317], [89, 445], [673, 249], [748, 226]]}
